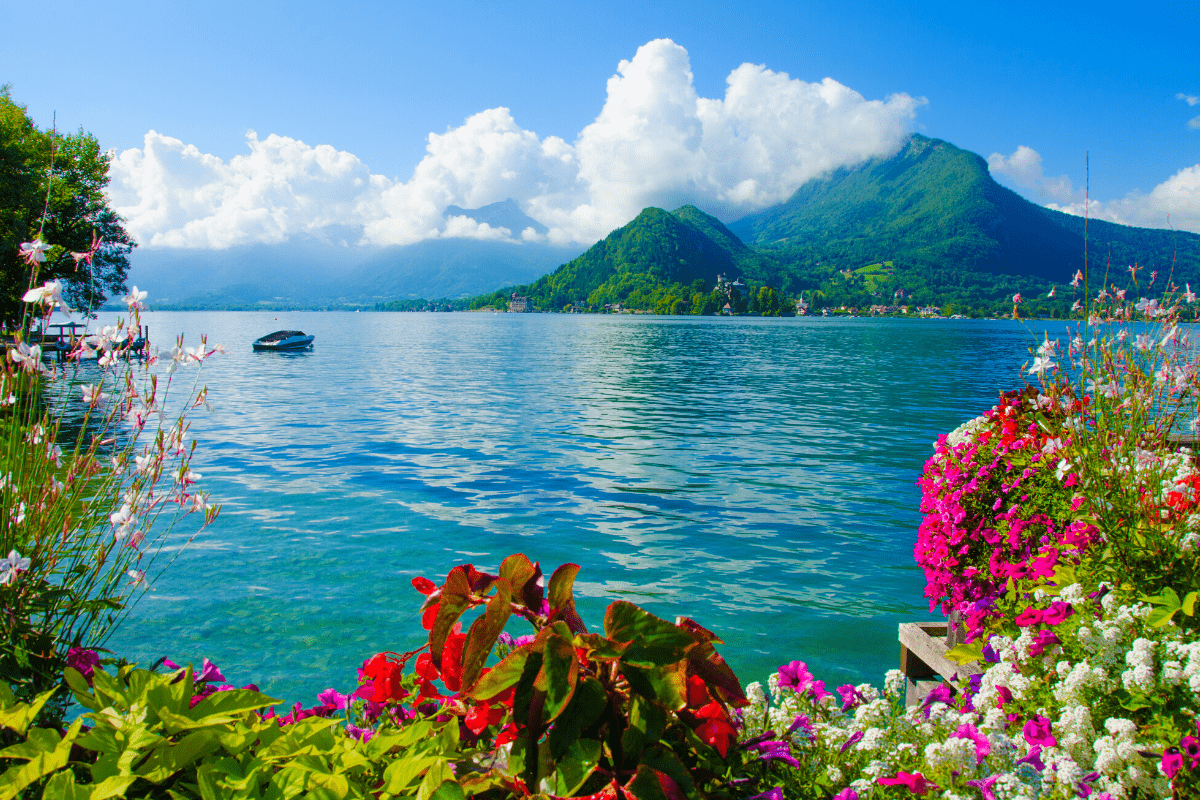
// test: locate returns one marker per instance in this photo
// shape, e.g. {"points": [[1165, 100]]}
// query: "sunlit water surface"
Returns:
{"points": [[758, 475]]}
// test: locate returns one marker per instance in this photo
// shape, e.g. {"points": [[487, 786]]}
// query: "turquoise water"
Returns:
{"points": [[757, 475]]}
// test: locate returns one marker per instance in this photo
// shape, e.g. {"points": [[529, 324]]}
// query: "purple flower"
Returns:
{"points": [[331, 698], [794, 675], [1045, 638], [846, 794], [853, 740], [940, 694], [982, 745], [984, 785], [1034, 759], [83, 661], [774, 793], [775, 750], [209, 672], [802, 723], [505, 638], [990, 655], [851, 697], [362, 734]]}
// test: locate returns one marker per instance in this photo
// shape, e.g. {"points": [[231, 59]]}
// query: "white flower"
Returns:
{"points": [[134, 299], [34, 252], [49, 294], [137, 577], [12, 566]]}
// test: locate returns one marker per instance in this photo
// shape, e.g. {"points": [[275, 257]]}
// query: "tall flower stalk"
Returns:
{"points": [[95, 469]]}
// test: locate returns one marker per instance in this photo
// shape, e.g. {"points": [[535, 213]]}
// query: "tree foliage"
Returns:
{"points": [[52, 188]]}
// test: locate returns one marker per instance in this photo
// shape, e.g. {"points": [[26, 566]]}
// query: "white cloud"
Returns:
{"points": [[1173, 203], [1190, 99], [655, 142], [1024, 168]]}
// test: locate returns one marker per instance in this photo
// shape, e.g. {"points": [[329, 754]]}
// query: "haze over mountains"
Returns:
{"points": [[931, 209]]}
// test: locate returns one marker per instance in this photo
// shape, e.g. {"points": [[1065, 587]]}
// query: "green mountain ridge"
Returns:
{"points": [[927, 225]]}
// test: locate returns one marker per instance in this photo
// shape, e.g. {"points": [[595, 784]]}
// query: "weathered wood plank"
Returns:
{"points": [[924, 642]]}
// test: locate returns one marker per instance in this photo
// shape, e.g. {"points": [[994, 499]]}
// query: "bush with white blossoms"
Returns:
{"points": [[94, 449], [1062, 526]]}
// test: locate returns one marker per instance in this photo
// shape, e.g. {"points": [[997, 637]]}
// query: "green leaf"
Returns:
{"points": [[666, 685], [1160, 616], [405, 770], [588, 703], [17, 717], [435, 776], [42, 763], [1189, 603], [61, 786], [484, 631], [221, 708], [646, 784], [558, 675], [501, 676], [966, 653], [654, 642], [562, 583], [576, 766], [665, 762], [115, 786], [1170, 598], [166, 759]]}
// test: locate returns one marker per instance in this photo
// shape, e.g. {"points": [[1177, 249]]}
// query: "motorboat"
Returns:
{"points": [[285, 340]]}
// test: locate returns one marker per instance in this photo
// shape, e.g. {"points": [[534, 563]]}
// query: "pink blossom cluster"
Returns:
{"points": [[997, 506]]}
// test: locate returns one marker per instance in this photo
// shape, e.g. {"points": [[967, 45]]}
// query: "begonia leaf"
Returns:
{"points": [[653, 641], [599, 648], [562, 599], [558, 675], [523, 575], [481, 636], [576, 766], [586, 706], [501, 676], [454, 600], [705, 662], [666, 685], [665, 762]]}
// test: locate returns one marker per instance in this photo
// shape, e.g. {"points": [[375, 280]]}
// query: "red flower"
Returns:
{"points": [[480, 717], [697, 692], [385, 678], [715, 730], [424, 585], [430, 615]]}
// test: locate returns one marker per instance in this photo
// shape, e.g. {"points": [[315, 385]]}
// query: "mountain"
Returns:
{"points": [[658, 255], [505, 214], [935, 211], [311, 274]]}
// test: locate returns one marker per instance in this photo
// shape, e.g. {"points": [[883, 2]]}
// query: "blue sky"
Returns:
{"points": [[372, 80]]}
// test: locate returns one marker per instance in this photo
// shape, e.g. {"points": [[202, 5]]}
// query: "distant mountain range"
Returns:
{"points": [[928, 224]]}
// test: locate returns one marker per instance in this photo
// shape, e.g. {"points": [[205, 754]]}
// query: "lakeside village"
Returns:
{"points": [[737, 296]]}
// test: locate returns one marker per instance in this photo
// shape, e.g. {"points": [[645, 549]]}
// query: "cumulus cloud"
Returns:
{"points": [[1190, 99], [1024, 168], [1173, 203], [655, 142]]}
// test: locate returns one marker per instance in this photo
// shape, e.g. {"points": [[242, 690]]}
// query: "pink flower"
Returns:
{"points": [[1017, 298], [1043, 640], [915, 782], [1029, 617], [984, 785], [1191, 748], [1037, 732], [1172, 762], [1057, 612], [846, 794], [982, 745]]}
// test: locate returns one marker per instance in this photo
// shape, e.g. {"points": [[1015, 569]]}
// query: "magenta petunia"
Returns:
{"points": [[915, 782], [1037, 732]]}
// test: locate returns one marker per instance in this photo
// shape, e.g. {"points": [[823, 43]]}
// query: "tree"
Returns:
{"points": [[52, 188]]}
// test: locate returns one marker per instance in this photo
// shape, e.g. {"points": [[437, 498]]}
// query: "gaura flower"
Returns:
{"points": [[134, 299], [34, 252], [1078, 277], [12, 566], [49, 294]]}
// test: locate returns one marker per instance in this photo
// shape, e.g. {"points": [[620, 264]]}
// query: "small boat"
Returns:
{"points": [[285, 340]]}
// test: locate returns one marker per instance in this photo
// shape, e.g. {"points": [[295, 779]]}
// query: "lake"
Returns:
{"points": [[757, 475]]}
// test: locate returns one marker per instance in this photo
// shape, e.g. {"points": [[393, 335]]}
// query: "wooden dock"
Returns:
{"points": [[923, 648]]}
